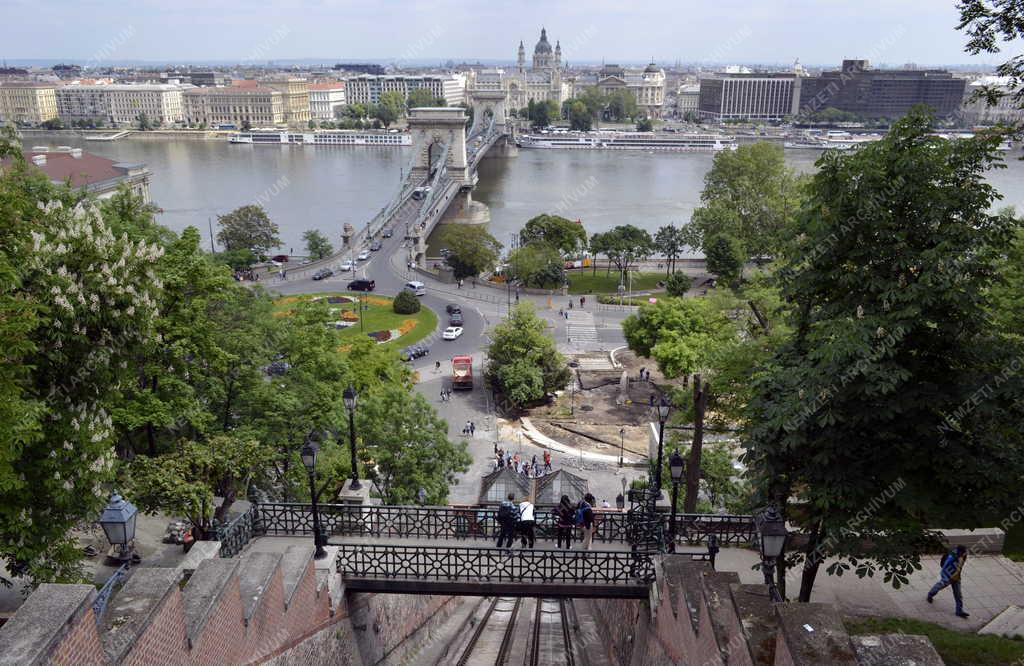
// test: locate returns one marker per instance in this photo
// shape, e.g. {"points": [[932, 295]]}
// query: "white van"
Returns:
{"points": [[416, 287]]}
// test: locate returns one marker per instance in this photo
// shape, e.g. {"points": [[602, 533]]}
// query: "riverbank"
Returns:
{"points": [[151, 135]]}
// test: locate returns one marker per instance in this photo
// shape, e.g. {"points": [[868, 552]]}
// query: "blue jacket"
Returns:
{"points": [[950, 567]]}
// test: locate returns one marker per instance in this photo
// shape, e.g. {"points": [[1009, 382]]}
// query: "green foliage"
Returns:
{"points": [[1006, 295], [725, 256], [644, 124], [955, 647], [580, 117], [246, 125], [559, 232], [991, 25], [538, 265], [670, 240], [720, 482], [390, 108], [420, 97], [678, 284], [52, 124], [682, 335], [892, 390], [625, 245], [144, 123], [317, 245], [473, 249], [541, 114], [406, 303], [621, 106], [247, 228], [751, 195], [523, 362]]}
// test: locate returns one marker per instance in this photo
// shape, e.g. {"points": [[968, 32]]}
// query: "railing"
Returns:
{"points": [[103, 596], [235, 535], [495, 565], [455, 523]]}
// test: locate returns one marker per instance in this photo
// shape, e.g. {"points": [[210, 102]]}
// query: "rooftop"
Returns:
{"points": [[80, 168]]}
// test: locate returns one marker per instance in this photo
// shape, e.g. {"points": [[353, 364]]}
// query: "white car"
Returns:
{"points": [[363, 256], [452, 332], [347, 266]]}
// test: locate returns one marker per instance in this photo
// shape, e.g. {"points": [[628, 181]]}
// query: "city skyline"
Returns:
{"points": [[914, 31]]}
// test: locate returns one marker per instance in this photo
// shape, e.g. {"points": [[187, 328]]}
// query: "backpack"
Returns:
{"points": [[581, 511], [506, 512]]}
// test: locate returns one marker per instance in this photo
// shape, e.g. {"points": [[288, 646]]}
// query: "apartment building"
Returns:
{"points": [[27, 103], [119, 104], [755, 96], [367, 88], [325, 99], [647, 86], [1005, 110], [294, 98], [257, 106]]}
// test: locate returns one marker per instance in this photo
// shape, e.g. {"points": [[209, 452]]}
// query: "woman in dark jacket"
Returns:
{"points": [[565, 521]]}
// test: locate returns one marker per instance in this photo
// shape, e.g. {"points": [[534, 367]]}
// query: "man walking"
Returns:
{"points": [[547, 461], [949, 575], [526, 524], [508, 515], [585, 517]]}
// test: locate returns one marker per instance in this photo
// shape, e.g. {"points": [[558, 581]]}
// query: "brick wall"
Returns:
{"points": [[81, 645], [222, 639], [164, 641]]}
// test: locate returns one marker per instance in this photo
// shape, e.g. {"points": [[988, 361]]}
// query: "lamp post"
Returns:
{"points": [[308, 455], [118, 523], [771, 527], [349, 396], [622, 443], [663, 409], [572, 387], [676, 467]]}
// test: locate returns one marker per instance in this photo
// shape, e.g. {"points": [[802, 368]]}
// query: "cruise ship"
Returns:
{"points": [[629, 141], [323, 138]]}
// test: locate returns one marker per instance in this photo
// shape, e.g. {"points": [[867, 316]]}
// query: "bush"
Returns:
{"points": [[678, 284], [406, 303]]}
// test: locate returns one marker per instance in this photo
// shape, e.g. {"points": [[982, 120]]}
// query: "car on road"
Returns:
{"points": [[452, 308], [452, 332], [346, 266], [413, 352], [375, 245], [322, 274], [363, 256], [455, 319], [388, 233], [362, 285]]}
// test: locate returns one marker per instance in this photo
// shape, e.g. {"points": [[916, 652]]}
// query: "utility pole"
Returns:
{"points": [[700, 403], [209, 223]]}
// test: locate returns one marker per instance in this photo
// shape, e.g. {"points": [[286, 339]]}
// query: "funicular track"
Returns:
{"points": [[507, 631]]}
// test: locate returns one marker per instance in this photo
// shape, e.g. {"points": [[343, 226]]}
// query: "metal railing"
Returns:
{"points": [[234, 536], [495, 565], [103, 596], [460, 523]]}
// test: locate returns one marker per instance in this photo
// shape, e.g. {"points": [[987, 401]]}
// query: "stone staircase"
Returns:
{"points": [[1009, 623]]}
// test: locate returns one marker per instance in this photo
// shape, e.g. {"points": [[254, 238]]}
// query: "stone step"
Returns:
{"points": [[1009, 623], [254, 576], [203, 591]]}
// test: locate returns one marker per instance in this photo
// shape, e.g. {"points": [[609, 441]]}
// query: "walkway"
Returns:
{"points": [[581, 332]]}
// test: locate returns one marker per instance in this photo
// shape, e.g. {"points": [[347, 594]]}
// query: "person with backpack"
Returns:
{"points": [[526, 524], [585, 519], [949, 575], [508, 516], [565, 518]]}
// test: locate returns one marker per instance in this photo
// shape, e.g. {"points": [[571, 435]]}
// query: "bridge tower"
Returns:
{"points": [[432, 129], [486, 103]]}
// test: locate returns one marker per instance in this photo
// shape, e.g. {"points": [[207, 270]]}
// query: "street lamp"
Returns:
{"points": [[663, 409], [349, 396], [118, 523], [622, 443], [308, 455], [676, 468], [572, 388], [771, 527]]}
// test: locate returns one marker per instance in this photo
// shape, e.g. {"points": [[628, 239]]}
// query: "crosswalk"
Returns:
{"points": [[582, 333]]}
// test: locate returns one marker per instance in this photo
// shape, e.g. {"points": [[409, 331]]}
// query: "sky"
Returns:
{"points": [[723, 31]]}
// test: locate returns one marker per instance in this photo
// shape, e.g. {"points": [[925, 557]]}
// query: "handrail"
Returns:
{"points": [[103, 596], [235, 535]]}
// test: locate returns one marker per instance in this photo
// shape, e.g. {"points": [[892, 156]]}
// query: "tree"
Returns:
{"points": [[561, 233], [419, 97], [599, 244], [621, 106], [580, 118], [405, 303], [594, 101], [681, 334], [246, 125], [626, 245], [52, 124], [668, 240], [317, 245], [750, 194], [1007, 293], [538, 265], [472, 249], [644, 124], [678, 284], [390, 108], [725, 257], [988, 23], [247, 228], [144, 123], [870, 412], [523, 362]]}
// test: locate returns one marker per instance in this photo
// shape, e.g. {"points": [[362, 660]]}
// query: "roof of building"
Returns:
{"points": [[652, 69], [333, 85], [231, 90], [26, 84], [80, 168], [543, 46]]}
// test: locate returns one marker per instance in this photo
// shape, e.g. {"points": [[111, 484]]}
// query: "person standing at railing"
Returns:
{"points": [[526, 524], [508, 516], [564, 519], [585, 518]]}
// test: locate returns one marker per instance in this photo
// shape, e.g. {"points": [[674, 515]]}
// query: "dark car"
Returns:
{"points": [[414, 352], [323, 273], [452, 308], [280, 258], [455, 319], [387, 233], [375, 245], [361, 285]]}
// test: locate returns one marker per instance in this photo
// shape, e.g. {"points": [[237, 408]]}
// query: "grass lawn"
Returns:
{"points": [[1013, 547], [377, 316], [956, 648], [582, 281]]}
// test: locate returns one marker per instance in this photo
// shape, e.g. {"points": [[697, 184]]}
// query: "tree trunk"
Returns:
{"points": [[150, 430], [700, 402], [221, 513], [812, 561]]}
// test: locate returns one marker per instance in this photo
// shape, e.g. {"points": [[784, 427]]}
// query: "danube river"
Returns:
{"points": [[323, 187]]}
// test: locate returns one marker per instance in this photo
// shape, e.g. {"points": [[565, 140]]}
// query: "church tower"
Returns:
{"points": [[558, 55], [521, 60], [542, 52]]}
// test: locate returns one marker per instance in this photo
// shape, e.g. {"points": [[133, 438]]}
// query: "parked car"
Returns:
{"points": [[388, 233], [323, 273], [346, 266], [452, 332], [452, 308], [375, 245], [278, 368], [413, 352], [455, 319], [362, 285], [282, 258], [363, 256]]}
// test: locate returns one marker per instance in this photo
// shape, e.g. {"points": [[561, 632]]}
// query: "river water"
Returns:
{"points": [[323, 187]]}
